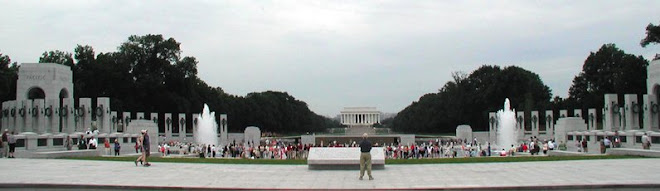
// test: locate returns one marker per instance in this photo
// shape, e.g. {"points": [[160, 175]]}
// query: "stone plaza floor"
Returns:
{"points": [[625, 174]]}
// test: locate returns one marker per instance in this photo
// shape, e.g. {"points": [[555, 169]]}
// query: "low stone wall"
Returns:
{"points": [[59, 154], [633, 152], [567, 153]]}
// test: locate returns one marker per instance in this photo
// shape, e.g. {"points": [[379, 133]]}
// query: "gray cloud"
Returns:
{"points": [[333, 54]]}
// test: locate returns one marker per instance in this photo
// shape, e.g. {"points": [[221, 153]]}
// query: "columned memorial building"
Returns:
{"points": [[359, 116]]}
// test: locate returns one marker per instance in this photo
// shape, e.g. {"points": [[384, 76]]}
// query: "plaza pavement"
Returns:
{"points": [[53, 173]]}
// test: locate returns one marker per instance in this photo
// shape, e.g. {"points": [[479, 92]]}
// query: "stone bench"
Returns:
{"points": [[342, 158]]}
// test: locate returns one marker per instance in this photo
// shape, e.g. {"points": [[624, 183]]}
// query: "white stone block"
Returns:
{"points": [[252, 135], [343, 158], [464, 132]]}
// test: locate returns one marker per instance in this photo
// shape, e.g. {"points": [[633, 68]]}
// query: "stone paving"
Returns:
{"points": [[587, 173]]}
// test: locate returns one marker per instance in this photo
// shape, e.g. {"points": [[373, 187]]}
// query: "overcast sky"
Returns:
{"points": [[335, 54]]}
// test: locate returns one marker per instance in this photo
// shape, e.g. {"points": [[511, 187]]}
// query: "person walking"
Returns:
{"points": [[365, 156], [117, 147], [69, 143], [646, 141], [106, 145], [146, 147], [5, 143], [12, 144], [138, 144]]}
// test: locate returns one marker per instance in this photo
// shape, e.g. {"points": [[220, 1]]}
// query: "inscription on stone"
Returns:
{"points": [[35, 77]]}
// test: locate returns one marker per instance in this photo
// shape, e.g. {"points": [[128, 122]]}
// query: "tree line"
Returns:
{"points": [[469, 98], [149, 74]]}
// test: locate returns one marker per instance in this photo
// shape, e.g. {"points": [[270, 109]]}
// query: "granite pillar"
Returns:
{"points": [[650, 112], [103, 117], [631, 112]]}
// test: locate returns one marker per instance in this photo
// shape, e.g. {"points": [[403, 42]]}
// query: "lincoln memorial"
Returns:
{"points": [[359, 116]]}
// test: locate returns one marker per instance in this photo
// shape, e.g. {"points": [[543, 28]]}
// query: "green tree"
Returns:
{"points": [[57, 56], [148, 73], [652, 37], [609, 70], [8, 78], [468, 99]]}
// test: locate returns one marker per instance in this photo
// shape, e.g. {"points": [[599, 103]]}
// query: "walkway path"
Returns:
{"points": [[590, 173]]}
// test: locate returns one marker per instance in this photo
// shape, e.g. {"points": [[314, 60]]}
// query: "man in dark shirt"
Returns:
{"points": [[365, 156], [146, 144]]}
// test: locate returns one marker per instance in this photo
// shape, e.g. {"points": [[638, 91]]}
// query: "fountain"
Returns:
{"points": [[506, 130], [207, 128]]}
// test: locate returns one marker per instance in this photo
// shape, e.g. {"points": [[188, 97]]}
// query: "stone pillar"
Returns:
{"points": [[126, 118], [67, 114], [103, 117], [84, 114], [549, 123], [591, 119], [4, 116], [563, 113], [182, 126], [631, 112], [114, 122], [535, 123], [12, 120], [223, 129], [520, 119], [195, 118], [650, 113], [36, 115], [139, 115], [578, 113], [52, 120], [492, 127], [154, 118], [611, 113], [21, 112], [168, 125]]}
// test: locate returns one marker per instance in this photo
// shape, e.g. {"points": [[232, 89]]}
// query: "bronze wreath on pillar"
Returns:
{"points": [[13, 112], [64, 111], [49, 111], [99, 111], [21, 112], [35, 111]]}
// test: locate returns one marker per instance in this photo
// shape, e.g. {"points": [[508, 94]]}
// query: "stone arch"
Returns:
{"points": [[64, 93], [36, 93]]}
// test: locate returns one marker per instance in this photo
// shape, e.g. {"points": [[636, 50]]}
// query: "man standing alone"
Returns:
{"points": [[365, 157]]}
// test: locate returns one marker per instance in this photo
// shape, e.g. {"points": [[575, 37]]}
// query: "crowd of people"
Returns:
{"points": [[267, 150]]}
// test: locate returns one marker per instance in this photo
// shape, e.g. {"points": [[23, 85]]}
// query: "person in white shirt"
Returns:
{"points": [[93, 143]]}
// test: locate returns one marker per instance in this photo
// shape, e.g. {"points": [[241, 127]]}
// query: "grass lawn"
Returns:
{"points": [[387, 161]]}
